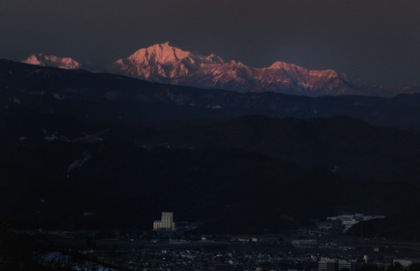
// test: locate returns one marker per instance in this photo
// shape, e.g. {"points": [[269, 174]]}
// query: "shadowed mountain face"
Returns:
{"points": [[88, 150], [150, 102], [163, 63]]}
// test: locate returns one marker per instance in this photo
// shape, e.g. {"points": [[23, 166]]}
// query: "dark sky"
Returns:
{"points": [[375, 40]]}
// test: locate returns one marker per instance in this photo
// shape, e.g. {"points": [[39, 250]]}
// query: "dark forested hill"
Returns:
{"points": [[349, 147], [85, 150], [106, 96]]}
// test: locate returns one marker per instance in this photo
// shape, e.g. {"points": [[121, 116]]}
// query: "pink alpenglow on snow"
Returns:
{"points": [[164, 63], [52, 61]]}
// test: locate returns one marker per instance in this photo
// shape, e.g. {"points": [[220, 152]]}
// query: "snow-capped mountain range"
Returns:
{"points": [[53, 61], [164, 63]]}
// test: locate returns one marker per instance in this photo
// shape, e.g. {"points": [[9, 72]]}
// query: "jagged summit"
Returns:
{"points": [[163, 63], [159, 53], [33, 60], [53, 61], [165, 53]]}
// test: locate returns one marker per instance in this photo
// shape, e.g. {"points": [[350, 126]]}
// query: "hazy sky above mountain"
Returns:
{"points": [[375, 40]]}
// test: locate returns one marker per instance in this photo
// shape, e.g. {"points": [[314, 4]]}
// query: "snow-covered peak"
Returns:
{"points": [[278, 65], [52, 61], [159, 53], [33, 60], [165, 53]]}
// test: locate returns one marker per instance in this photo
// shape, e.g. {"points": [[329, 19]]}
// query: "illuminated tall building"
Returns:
{"points": [[166, 222]]}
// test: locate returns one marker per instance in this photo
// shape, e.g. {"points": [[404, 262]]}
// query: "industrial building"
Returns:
{"points": [[166, 222]]}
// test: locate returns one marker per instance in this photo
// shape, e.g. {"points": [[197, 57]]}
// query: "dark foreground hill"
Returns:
{"points": [[83, 150], [112, 97], [112, 185], [348, 147], [52, 175]]}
